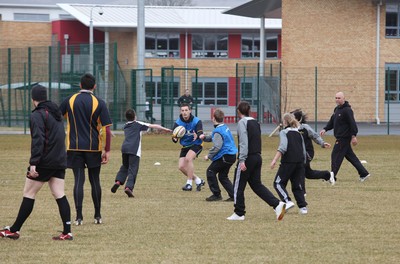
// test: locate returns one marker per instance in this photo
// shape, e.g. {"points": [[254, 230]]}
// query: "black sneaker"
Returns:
{"points": [[213, 198], [115, 187], [230, 199], [198, 186], [187, 187], [129, 192]]}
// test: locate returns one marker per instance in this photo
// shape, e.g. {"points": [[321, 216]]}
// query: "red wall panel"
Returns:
{"points": [[234, 44], [78, 32]]}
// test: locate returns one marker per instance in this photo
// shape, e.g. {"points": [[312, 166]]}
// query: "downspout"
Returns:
{"points": [[262, 46], [378, 20]]}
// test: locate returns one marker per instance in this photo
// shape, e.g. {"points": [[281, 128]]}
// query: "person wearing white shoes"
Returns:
{"points": [[345, 131], [248, 169], [192, 145], [309, 135], [292, 153]]}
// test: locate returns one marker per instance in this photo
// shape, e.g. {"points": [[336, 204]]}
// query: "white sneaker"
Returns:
{"points": [[362, 179], [280, 210], [235, 217], [303, 210], [332, 178], [289, 205]]}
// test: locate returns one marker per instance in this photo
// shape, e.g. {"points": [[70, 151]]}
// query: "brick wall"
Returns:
{"points": [[24, 34], [338, 37]]}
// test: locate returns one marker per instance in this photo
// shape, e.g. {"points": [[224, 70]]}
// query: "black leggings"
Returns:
{"points": [[94, 178]]}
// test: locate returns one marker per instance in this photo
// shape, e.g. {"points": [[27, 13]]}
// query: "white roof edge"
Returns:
{"points": [[29, 6], [73, 9], [69, 9]]}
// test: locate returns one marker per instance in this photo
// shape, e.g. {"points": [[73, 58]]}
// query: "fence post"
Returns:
{"points": [[9, 88], [237, 84], [388, 100], [259, 75], [24, 101], [115, 87], [49, 68], [29, 77], [316, 98]]}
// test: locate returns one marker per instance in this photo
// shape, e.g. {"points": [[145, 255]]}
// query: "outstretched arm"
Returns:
{"points": [[159, 127]]}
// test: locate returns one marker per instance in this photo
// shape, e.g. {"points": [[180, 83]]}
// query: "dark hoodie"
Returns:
{"points": [[342, 121], [48, 137]]}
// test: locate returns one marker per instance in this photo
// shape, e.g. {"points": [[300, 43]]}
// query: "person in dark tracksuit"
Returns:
{"points": [[248, 169], [47, 163], [223, 156], [345, 131], [309, 135], [292, 153], [131, 151]]}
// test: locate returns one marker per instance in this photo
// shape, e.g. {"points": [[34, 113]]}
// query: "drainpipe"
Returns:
{"points": [[378, 20]]}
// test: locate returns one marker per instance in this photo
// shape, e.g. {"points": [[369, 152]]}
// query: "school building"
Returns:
{"points": [[311, 50]]}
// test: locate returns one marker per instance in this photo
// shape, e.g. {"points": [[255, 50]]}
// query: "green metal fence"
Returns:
{"points": [[271, 89]]}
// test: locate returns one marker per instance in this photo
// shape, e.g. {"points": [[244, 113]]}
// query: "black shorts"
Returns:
{"points": [[196, 148], [83, 159], [46, 174]]}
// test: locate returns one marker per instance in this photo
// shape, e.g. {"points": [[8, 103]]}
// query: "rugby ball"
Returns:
{"points": [[179, 132]]}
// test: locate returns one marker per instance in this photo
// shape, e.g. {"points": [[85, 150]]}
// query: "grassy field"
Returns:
{"points": [[351, 222]]}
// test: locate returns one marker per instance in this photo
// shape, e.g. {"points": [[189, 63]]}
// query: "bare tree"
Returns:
{"points": [[168, 2]]}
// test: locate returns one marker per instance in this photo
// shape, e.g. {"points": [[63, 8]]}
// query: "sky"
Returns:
{"points": [[220, 3]]}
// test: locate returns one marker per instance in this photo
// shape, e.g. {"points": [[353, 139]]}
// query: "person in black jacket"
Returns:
{"points": [[345, 131], [47, 163], [309, 135], [186, 98], [292, 153]]}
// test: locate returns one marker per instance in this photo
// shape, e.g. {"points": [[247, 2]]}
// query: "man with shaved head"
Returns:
{"points": [[345, 131]]}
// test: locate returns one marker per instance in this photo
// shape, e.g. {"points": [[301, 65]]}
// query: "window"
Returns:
{"points": [[251, 46], [162, 45], [392, 90], [154, 89], [211, 91], [65, 16], [209, 45], [249, 91], [31, 17], [392, 18]]}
